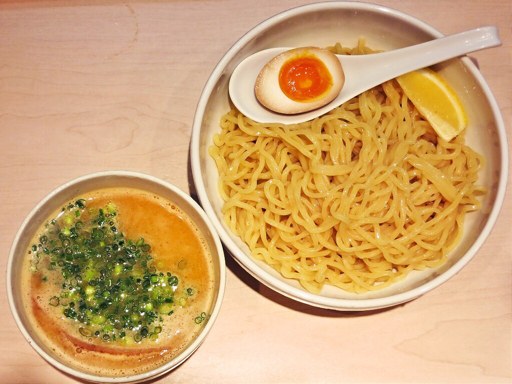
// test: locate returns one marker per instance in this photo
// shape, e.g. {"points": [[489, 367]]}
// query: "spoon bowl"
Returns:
{"points": [[362, 72]]}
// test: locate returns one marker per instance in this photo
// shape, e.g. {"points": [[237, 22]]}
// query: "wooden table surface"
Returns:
{"points": [[103, 85]]}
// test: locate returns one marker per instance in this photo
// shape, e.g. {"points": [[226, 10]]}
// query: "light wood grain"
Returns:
{"points": [[88, 86]]}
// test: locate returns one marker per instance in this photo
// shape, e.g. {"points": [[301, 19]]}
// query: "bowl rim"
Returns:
{"points": [[246, 261], [185, 353]]}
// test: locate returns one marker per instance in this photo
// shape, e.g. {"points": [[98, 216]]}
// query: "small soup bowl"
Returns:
{"points": [[186, 206]]}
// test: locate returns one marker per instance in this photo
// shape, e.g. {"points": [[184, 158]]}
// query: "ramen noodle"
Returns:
{"points": [[356, 198]]}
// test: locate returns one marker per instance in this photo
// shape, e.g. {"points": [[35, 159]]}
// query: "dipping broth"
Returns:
{"points": [[123, 291]]}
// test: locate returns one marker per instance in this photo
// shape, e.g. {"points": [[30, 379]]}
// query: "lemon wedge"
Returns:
{"points": [[436, 101]]}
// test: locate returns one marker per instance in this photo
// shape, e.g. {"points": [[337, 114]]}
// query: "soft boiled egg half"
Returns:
{"points": [[299, 80]]}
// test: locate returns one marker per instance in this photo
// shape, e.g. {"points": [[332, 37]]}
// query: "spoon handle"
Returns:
{"points": [[384, 66]]}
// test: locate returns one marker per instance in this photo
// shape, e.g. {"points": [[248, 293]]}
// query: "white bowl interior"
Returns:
{"points": [[323, 24], [65, 193]]}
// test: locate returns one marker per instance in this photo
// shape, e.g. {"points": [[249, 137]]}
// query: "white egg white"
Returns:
{"points": [[269, 93]]}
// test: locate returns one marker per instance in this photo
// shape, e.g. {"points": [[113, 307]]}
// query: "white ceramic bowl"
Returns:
{"points": [[322, 24], [67, 192]]}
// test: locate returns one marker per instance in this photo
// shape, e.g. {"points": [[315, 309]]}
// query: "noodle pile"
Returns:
{"points": [[356, 198]]}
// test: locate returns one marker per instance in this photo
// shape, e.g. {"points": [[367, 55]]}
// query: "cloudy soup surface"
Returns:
{"points": [[118, 282]]}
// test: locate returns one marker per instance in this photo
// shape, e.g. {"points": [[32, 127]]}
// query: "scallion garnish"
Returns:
{"points": [[109, 283]]}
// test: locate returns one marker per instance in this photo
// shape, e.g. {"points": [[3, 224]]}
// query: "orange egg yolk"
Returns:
{"points": [[304, 78]]}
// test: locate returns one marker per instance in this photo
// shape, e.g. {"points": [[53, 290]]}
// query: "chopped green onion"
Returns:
{"points": [[111, 285], [54, 301]]}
